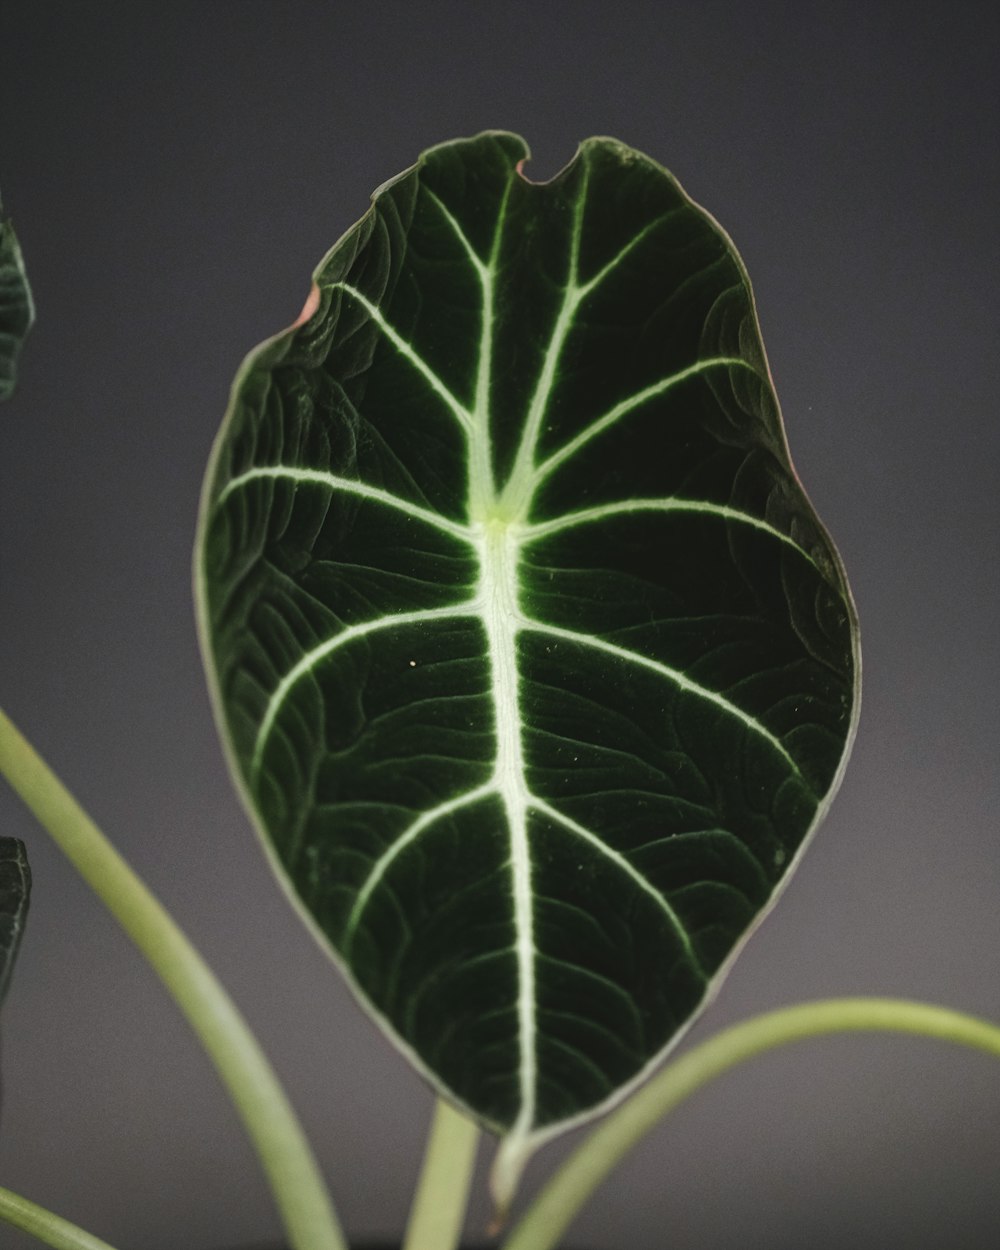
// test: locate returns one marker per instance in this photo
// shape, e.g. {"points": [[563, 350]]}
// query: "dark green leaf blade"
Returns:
{"points": [[535, 666], [16, 309], [15, 890]]}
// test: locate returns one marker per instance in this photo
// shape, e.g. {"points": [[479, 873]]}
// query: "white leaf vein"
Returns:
{"points": [[405, 839], [674, 675], [630, 404], [334, 482], [409, 353], [314, 657], [622, 863], [625, 507]]}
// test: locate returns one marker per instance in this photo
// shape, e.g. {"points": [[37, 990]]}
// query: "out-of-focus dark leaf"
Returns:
{"points": [[15, 887], [17, 312]]}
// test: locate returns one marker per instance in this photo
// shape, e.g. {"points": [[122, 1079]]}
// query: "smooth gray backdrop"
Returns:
{"points": [[175, 172]]}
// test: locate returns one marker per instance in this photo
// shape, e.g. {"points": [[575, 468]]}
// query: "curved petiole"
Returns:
{"points": [[559, 1202]]}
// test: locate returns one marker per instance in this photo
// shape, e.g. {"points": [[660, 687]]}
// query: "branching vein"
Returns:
{"points": [[312, 659], [637, 877], [352, 486], [624, 507], [405, 839], [409, 353], [629, 404], [674, 675]]}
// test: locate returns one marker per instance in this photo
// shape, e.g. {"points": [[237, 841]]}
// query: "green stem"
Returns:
{"points": [[442, 1193], [256, 1093], [560, 1200], [51, 1229]]}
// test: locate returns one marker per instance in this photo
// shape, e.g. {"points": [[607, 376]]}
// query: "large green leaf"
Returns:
{"points": [[15, 888], [16, 310], [535, 666]]}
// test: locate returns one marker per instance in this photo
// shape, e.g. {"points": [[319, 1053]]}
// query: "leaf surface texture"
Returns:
{"points": [[534, 664]]}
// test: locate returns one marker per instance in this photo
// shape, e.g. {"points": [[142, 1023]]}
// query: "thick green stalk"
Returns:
{"points": [[560, 1200], [256, 1093], [51, 1229], [442, 1193]]}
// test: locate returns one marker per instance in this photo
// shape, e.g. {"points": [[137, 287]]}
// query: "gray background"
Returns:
{"points": [[175, 173]]}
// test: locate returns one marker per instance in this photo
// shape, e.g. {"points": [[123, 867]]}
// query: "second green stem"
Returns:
{"points": [[442, 1193]]}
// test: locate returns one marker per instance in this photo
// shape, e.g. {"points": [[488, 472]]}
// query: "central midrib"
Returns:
{"points": [[498, 594], [498, 515]]}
